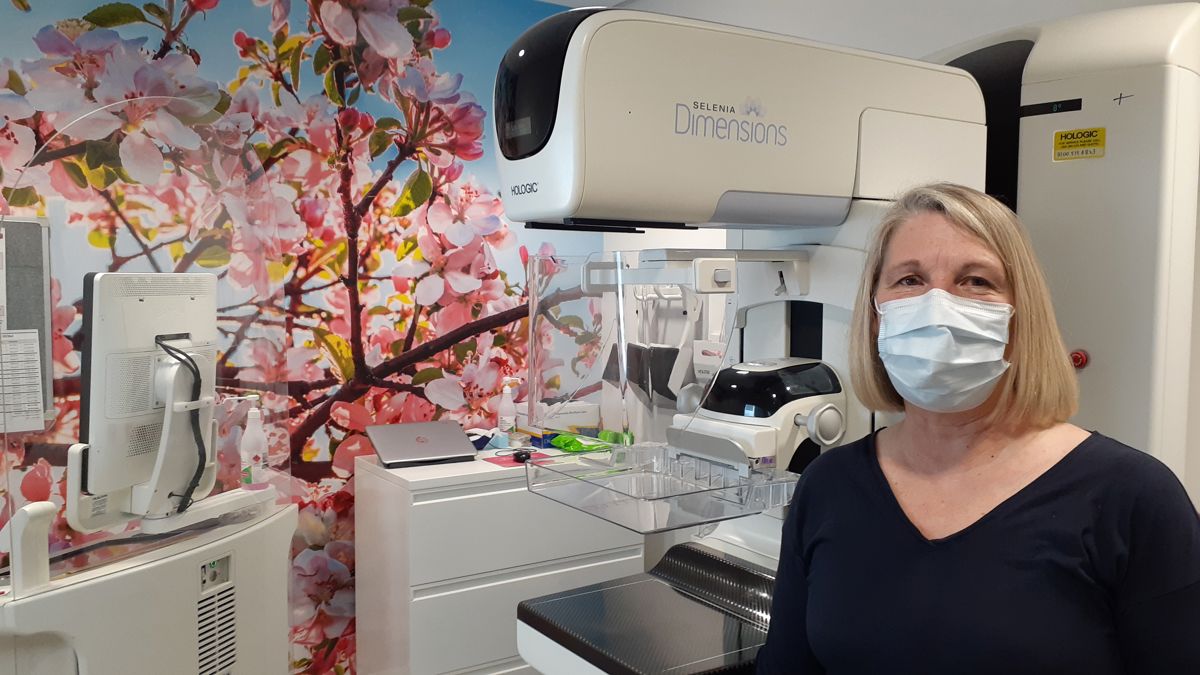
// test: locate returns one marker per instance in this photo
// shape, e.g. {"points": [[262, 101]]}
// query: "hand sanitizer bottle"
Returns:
{"points": [[253, 449], [506, 412]]}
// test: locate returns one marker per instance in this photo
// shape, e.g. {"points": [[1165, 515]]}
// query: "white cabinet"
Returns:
{"points": [[444, 553]]}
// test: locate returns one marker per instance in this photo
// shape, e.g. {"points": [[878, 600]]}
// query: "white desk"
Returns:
{"points": [[444, 553]]}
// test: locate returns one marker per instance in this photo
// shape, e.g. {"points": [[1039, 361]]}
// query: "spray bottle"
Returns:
{"points": [[506, 412], [253, 449]]}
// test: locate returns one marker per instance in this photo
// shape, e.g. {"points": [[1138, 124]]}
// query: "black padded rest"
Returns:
{"points": [[697, 611]]}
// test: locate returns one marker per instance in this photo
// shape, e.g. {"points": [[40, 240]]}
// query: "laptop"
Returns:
{"points": [[420, 443]]}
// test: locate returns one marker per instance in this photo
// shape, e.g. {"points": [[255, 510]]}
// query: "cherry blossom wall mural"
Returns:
{"points": [[330, 161]]}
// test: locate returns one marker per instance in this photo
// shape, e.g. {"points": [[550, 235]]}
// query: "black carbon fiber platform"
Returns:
{"points": [[697, 611]]}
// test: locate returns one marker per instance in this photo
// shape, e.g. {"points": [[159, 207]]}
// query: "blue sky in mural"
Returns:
{"points": [[481, 30]]}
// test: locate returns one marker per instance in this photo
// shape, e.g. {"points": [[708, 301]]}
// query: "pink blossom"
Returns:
{"points": [[473, 389], [465, 139], [338, 299], [322, 589], [315, 115], [467, 268], [268, 362], [312, 211], [401, 281], [265, 216], [384, 342], [279, 12], [17, 141], [350, 416], [375, 20], [246, 45], [151, 96], [451, 316], [66, 360], [315, 524], [341, 551], [203, 5], [246, 268], [35, 485], [465, 213], [59, 182], [423, 83], [411, 267], [405, 407], [302, 364], [354, 120], [355, 445], [72, 62], [438, 38], [430, 290]]}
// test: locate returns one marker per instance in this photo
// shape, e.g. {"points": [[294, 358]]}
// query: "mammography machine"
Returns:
{"points": [[1096, 149], [788, 146]]}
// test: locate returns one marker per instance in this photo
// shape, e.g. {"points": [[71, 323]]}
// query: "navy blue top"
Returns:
{"points": [[1094, 567]]}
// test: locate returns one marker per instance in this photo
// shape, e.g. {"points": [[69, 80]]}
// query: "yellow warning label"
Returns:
{"points": [[1079, 144]]}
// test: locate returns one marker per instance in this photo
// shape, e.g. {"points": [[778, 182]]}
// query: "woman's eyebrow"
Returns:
{"points": [[904, 266], [981, 265]]}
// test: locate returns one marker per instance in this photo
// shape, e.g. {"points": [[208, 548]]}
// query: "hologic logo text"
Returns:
{"points": [[524, 189]]}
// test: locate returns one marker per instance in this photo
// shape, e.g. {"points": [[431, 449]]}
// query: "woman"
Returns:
{"points": [[983, 533]]}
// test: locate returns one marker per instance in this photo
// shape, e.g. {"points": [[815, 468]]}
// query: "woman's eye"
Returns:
{"points": [[909, 281], [978, 282]]}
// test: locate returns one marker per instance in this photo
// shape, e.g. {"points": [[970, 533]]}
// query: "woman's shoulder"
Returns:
{"points": [[1125, 471], [1112, 455]]}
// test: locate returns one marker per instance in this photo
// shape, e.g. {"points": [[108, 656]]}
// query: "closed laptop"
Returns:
{"points": [[419, 443]]}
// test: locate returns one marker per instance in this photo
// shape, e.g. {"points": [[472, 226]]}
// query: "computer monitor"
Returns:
{"points": [[145, 420]]}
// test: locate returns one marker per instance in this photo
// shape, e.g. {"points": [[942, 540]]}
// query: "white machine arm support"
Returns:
{"points": [[177, 455], [31, 546]]}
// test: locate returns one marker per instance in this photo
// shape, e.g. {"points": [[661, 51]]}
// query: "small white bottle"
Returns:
{"points": [[506, 412], [253, 449]]}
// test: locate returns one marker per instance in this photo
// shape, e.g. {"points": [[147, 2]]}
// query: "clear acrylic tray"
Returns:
{"points": [[655, 488]]}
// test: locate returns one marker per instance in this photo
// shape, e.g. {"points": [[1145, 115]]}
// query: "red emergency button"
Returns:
{"points": [[1079, 359]]}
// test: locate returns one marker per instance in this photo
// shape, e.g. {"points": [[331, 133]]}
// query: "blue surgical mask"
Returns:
{"points": [[943, 353]]}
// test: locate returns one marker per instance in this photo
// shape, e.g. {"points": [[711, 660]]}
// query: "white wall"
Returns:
{"points": [[912, 28]]}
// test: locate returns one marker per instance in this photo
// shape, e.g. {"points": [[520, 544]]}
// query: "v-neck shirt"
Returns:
{"points": [[1093, 567], [1063, 464]]}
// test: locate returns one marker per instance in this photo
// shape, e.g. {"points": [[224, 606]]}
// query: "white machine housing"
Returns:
{"points": [[815, 414], [214, 603], [1114, 223], [614, 117]]}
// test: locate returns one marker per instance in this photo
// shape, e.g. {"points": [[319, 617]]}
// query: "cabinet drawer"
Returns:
{"points": [[456, 534], [456, 626]]}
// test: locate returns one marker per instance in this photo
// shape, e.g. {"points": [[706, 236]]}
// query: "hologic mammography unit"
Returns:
{"points": [[622, 121]]}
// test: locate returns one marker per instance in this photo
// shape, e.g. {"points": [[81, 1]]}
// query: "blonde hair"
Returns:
{"points": [[1040, 388]]}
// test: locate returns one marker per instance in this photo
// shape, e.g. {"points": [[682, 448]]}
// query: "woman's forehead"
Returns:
{"points": [[930, 237]]}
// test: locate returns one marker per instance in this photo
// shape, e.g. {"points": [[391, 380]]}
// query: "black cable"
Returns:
{"points": [[185, 500], [185, 359]]}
